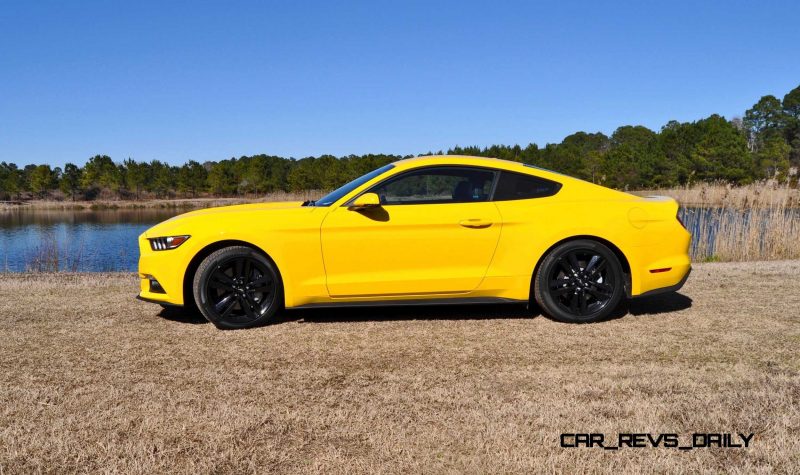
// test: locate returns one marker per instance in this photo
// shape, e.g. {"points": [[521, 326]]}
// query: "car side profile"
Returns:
{"points": [[440, 229]]}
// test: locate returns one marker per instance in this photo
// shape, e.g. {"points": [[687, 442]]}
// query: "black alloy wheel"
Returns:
{"points": [[579, 282], [237, 287]]}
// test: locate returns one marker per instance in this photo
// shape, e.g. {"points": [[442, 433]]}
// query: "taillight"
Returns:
{"points": [[167, 243], [658, 271]]}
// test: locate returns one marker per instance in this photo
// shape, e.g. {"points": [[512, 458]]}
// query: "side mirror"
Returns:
{"points": [[367, 200]]}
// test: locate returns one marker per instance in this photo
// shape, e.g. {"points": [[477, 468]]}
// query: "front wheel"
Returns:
{"points": [[579, 282], [237, 287]]}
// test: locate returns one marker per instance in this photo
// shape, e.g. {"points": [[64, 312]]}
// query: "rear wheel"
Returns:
{"points": [[579, 282], [237, 287]]}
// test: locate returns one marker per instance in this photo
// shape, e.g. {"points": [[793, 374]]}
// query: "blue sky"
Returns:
{"points": [[174, 81]]}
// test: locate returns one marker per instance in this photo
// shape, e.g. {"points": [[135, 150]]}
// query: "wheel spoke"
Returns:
{"points": [[221, 304], [247, 270], [217, 283], [559, 283], [563, 290], [573, 303], [225, 305], [603, 287], [222, 277], [245, 304], [573, 261], [564, 266], [263, 280], [592, 262], [598, 268], [251, 300], [599, 294], [582, 298], [228, 309]]}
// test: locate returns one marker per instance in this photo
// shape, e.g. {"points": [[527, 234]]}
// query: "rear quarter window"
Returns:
{"points": [[517, 186]]}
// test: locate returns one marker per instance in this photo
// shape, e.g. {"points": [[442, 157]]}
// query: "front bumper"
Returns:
{"points": [[165, 267], [162, 303]]}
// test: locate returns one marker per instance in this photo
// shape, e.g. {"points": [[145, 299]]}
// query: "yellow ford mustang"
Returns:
{"points": [[445, 229]]}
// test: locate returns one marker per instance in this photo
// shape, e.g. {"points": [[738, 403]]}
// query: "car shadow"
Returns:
{"points": [[409, 312], [182, 315], [639, 307], [653, 305]]}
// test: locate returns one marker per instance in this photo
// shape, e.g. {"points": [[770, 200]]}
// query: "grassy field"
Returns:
{"points": [[94, 381]]}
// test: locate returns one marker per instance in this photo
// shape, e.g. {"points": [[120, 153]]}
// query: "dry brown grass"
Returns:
{"points": [[727, 234], [762, 194], [93, 381], [760, 221]]}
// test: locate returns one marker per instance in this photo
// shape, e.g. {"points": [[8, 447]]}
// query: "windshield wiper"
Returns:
{"points": [[309, 203]]}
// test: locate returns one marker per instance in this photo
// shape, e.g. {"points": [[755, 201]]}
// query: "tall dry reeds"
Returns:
{"points": [[45, 257], [760, 221], [732, 234], [760, 194], [48, 257]]}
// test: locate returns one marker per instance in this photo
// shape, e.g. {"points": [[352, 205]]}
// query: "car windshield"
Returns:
{"points": [[336, 194]]}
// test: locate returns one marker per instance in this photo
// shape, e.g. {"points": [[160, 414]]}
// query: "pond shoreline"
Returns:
{"points": [[155, 203], [757, 222], [188, 203], [762, 194]]}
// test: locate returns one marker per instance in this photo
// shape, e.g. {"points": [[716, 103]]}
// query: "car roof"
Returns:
{"points": [[468, 160]]}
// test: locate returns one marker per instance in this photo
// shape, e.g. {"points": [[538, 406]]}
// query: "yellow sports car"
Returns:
{"points": [[443, 229]]}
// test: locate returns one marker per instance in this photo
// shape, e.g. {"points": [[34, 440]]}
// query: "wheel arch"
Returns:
{"points": [[623, 260], [194, 263]]}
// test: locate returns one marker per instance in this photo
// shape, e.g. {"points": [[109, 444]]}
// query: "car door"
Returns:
{"points": [[434, 233]]}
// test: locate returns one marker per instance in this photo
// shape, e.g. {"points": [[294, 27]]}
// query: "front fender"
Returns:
{"points": [[290, 237]]}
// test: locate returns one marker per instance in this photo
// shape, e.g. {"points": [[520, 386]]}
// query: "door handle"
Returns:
{"points": [[475, 223]]}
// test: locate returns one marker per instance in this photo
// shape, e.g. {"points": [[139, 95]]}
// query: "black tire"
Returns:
{"points": [[579, 281], [237, 287]]}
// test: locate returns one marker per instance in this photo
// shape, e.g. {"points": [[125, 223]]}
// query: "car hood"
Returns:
{"points": [[240, 208], [176, 223]]}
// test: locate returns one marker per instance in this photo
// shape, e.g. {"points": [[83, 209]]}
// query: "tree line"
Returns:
{"points": [[764, 143]]}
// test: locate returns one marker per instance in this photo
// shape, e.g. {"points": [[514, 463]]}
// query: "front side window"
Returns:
{"points": [[516, 186], [437, 185]]}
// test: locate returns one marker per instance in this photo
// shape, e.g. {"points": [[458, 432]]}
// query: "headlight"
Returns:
{"points": [[166, 243]]}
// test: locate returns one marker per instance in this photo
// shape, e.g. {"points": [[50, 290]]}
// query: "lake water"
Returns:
{"points": [[106, 240], [93, 241]]}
